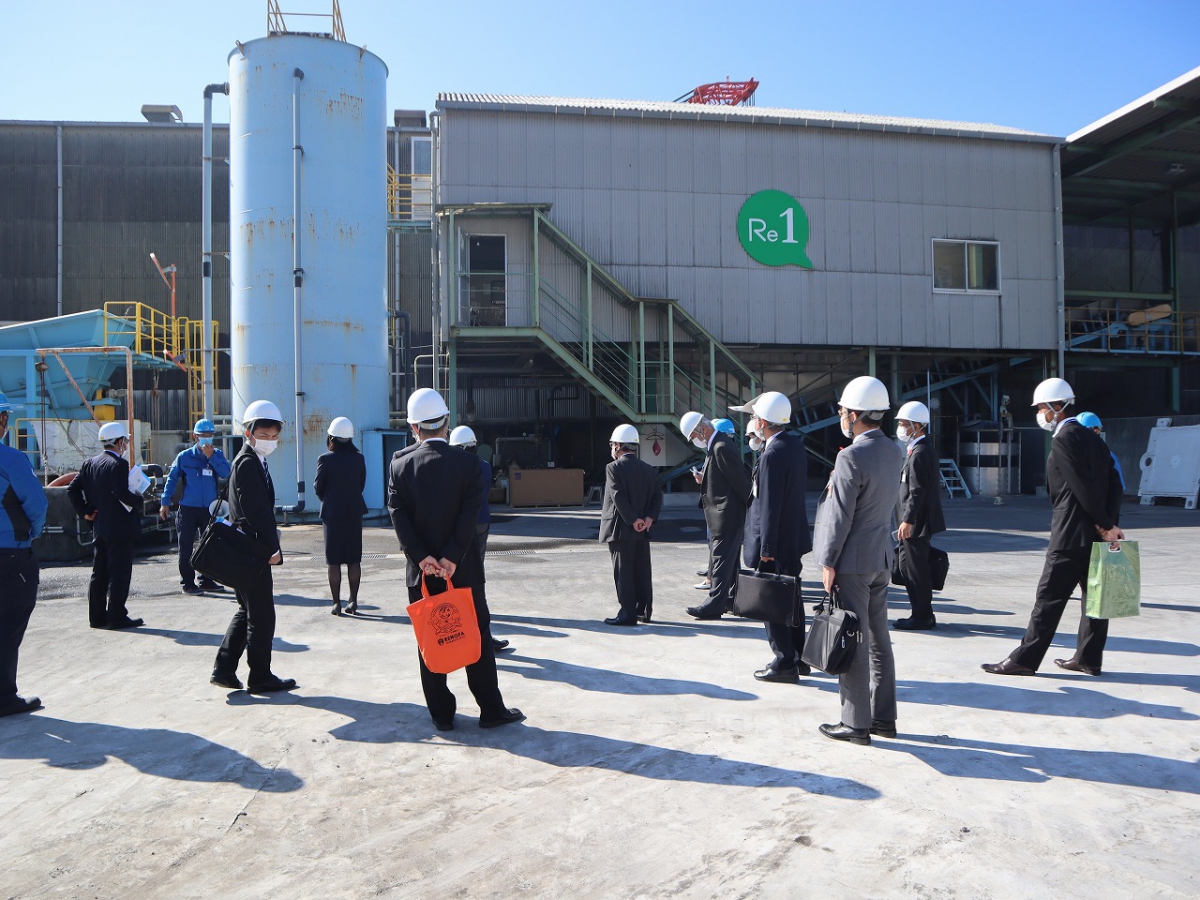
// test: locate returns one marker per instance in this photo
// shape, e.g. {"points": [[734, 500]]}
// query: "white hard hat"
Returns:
{"points": [[463, 436], [747, 407], [426, 405], [341, 427], [111, 432], [262, 409], [914, 411], [773, 407], [688, 422], [1053, 390], [865, 394], [627, 434]]}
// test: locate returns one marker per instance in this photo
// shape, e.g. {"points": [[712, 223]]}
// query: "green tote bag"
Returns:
{"points": [[1114, 585]]}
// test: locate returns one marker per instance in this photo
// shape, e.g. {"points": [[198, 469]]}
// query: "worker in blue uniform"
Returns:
{"points": [[199, 468], [22, 517]]}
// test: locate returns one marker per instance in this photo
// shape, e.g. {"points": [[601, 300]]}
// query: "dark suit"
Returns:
{"points": [[630, 493], [724, 496], [339, 483], [1086, 493], [101, 486], [777, 526], [920, 504], [252, 629], [434, 493]]}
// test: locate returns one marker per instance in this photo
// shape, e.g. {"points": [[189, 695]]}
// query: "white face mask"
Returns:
{"points": [[264, 448], [1045, 419], [755, 442], [700, 443], [903, 434], [847, 427]]}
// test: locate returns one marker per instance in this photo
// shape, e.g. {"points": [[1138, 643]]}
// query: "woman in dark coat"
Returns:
{"points": [[341, 477]]}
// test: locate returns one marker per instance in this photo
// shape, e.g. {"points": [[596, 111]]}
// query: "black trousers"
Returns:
{"points": [[481, 536], [633, 577], [190, 521], [251, 631], [18, 594], [724, 555], [914, 566], [786, 641], [112, 567], [481, 675], [1063, 571]]}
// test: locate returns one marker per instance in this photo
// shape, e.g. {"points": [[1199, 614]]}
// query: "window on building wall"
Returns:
{"points": [[967, 266], [422, 156]]}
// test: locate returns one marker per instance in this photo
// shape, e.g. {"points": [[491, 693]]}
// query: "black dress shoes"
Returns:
{"points": [[644, 615], [231, 681], [499, 645], [783, 676], [1074, 665], [209, 586], [337, 608], [1007, 667], [192, 589], [840, 732], [128, 623], [914, 624], [508, 717], [704, 613], [444, 724], [880, 728], [275, 684], [617, 620], [20, 705], [352, 608]]}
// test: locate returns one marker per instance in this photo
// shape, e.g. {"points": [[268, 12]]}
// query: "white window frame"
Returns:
{"points": [[966, 289]]}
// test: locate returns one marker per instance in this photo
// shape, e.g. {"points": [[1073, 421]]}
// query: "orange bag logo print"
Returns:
{"points": [[446, 623]]}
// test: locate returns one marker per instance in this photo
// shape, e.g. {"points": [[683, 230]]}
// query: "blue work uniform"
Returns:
{"points": [[22, 517], [200, 475]]}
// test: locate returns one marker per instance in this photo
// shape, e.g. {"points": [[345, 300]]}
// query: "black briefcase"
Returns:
{"points": [[833, 637], [768, 597], [898, 569], [229, 557], [939, 567]]}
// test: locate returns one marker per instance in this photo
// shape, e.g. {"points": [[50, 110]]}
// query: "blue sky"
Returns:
{"points": [[1046, 66]]}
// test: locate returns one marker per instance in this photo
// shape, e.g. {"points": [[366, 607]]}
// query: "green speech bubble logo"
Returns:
{"points": [[773, 229]]}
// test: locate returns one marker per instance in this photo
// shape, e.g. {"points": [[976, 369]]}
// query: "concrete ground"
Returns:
{"points": [[652, 763]]}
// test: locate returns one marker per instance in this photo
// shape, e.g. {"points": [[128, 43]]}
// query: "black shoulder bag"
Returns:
{"points": [[833, 636], [229, 556], [768, 597]]}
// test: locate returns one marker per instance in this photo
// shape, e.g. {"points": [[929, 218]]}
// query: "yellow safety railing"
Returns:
{"points": [[409, 196]]}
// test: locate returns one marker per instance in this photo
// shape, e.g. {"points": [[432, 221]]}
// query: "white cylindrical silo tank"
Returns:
{"points": [[341, 118]]}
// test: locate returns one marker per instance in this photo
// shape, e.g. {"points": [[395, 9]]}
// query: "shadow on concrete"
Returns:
{"points": [[731, 627], [607, 681], [386, 723], [203, 639], [1172, 607], [991, 542], [961, 758], [297, 600], [1064, 639], [155, 751], [1070, 702]]}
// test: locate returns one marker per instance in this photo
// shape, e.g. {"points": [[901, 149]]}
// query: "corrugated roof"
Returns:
{"points": [[753, 115]]}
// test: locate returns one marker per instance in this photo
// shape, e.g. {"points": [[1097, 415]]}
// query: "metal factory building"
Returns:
{"points": [[557, 265]]}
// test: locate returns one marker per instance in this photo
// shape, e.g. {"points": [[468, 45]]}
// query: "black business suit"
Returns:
{"points": [[777, 527], [339, 483], [252, 629], [724, 495], [920, 504], [101, 486], [1086, 493], [434, 493], [631, 492]]}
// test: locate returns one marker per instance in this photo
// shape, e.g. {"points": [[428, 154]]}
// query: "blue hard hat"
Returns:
{"points": [[1088, 420], [204, 426], [723, 425], [5, 406]]}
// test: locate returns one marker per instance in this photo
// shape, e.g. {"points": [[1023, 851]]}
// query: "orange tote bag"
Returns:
{"points": [[446, 628]]}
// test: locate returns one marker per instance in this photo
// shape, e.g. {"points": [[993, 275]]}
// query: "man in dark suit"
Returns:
{"points": [[919, 510], [632, 501], [100, 494], [724, 494], [434, 492], [252, 509], [777, 524], [1086, 494]]}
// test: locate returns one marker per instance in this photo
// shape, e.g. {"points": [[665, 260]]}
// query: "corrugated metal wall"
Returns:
{"points": [[656, 202]]}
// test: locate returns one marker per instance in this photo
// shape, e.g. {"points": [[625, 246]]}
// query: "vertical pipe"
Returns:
{"points": [[452, 240], [452, 379], [871, 362], [297, 290], [712, 375], [59, 280], [671, 353], [1060, 305], [398, 366], [589, 324], [436, 250], [537, 273], [206, 228], [642, 357]]}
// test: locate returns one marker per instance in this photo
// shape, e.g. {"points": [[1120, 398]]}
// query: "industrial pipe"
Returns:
{"points": [[402, 354], [1060, 305], [297, 292], [58, 134], [206, 315]]}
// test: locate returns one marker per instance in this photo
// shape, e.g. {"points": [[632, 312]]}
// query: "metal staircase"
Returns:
{"points": [[647, 358], [952, 479]]}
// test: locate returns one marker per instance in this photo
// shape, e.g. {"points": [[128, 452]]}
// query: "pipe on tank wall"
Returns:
{"points": [[297, 291], [59, 281], [206, 227]]}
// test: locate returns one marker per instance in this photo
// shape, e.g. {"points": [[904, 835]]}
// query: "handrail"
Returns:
{"points": [[1153, 330]]}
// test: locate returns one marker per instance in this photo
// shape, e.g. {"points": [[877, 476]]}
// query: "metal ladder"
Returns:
{"points": [[952, 479]]}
